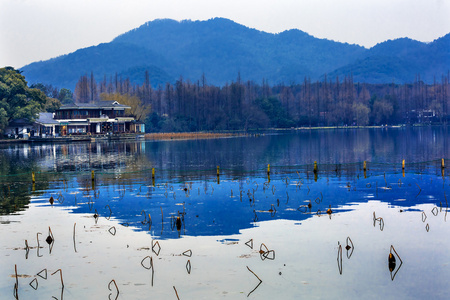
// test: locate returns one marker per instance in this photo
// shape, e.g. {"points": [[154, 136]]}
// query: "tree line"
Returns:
{"points": [[238, 105], [244, 105], [20, 101]]}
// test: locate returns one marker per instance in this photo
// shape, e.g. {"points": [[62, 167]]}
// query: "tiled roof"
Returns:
{"points": [[99, 104], [19, 122], [46, 118]]}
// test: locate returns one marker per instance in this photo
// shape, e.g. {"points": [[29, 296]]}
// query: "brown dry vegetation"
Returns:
{"points": [[187, 135]]}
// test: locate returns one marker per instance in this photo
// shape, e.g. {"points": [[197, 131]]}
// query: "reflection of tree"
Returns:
{"points": [[16, 166], [51, 162], [15, 194], [341, 151], [333, 149], [13, 197]]}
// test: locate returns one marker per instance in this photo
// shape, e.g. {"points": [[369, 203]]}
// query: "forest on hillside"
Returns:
{"points": [[246, 105]]}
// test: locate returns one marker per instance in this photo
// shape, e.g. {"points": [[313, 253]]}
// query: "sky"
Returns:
{"points": [[34, 30]]}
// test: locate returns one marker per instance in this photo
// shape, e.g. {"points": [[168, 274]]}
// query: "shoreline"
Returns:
{"points": [[159, 136], [190, 135]]}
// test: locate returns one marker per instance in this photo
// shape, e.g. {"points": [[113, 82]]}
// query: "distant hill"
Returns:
{"points": [[400, 61], [221, 49]]}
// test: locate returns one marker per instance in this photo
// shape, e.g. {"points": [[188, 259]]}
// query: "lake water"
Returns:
{"points": [[244, 234]]}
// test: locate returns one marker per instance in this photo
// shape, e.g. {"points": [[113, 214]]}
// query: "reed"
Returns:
{"points": [[188, 135], [38, 246], [34, 284], [339, 259], [188, 266], [61, 276], [176, 293], [110, 289], [74, 244], [260, 281], [16, 285]]}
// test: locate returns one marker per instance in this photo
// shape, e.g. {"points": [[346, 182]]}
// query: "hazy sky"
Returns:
{"points": [[33, 30]]}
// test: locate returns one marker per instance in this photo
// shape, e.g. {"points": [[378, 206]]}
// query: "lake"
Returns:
{"points": [[293, 232]]}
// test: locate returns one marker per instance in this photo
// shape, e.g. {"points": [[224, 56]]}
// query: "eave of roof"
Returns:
{"points": [[105, 104]]}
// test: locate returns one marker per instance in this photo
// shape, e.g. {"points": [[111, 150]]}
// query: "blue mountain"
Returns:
{"points": [[222, 50]]}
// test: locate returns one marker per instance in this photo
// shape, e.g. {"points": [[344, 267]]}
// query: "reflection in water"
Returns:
{"points": [[226, 266], [205, 207], [124, 233], [392, 261], [334, 147]]}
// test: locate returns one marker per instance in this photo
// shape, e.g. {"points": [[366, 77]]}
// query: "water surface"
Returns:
{"points": [[232, 227]]}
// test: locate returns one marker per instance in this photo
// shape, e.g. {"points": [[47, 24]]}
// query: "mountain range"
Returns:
{"points": [[222, 50]]}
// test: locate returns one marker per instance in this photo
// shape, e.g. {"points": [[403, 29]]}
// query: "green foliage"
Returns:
{"points": [[3, 118], [65, 96], [16, 99], [271, 106], [52, 104]]}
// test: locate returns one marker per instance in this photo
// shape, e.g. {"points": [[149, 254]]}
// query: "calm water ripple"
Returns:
{"points": [[291, 234]]}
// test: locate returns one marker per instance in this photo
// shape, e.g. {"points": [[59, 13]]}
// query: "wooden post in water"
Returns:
{"points": [[218, 175], [365, 169], [403, 167], [33, 178], [442, 164], [153, 176], [93, 179], [315, 171]]}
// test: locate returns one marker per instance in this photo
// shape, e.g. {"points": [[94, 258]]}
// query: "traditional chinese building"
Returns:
{"points": [[101, 117]]}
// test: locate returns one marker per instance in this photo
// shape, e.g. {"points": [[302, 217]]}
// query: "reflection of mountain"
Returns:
{"points": [[338, 153], [226, 208]]}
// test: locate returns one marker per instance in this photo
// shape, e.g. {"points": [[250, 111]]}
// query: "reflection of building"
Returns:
{"points": [[96, 118]]}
